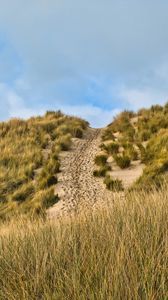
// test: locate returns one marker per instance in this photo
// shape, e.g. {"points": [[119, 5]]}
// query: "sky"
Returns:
{"points": [[90, 58]]}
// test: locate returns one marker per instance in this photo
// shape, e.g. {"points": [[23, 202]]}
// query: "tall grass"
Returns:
{"points": [[29, 158], [116, 252]]}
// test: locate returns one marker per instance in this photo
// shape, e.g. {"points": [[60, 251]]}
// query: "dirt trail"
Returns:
{"points": [[77, 187]]}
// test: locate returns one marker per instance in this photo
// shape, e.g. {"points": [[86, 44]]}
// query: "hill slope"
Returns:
{"points": [[136, 145], [118, 251], [59, 163], [29, 161]]}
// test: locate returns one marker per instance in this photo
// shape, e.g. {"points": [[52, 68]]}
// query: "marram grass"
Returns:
{"points": [[117, 252], [29, 160]]}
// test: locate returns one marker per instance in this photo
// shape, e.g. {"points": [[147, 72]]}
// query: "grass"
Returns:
{"points": [[111, 148], [101, 159], [155, 157], [102, 171], [141, 136], [47, 181], [25, 191], [130, 151], [65, 142], [29, 159], [114, 185], [118, 252], [122, 161]]}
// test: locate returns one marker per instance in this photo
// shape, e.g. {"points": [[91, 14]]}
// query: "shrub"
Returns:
{"points": [[149, 183], [130, 151], [38, 160], [47, 181], [53, 166], [29, 171], [113, 184], [108, 135], [133, 154], [55, 151], [101, 172], [62, 130], [102, 146], [101, 159], [143, 152], [55, 114], [122, 161], [145, 135], [64, 142], [44, 199], [112, 148], [24, 192], [77, 132], [122, 123], [156, 108], [45, 141], [129, 133]]}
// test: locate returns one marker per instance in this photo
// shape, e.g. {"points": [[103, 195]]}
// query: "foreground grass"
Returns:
{"points": [[120, 252]]}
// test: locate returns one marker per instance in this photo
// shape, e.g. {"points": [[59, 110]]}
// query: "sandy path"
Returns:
{"points": [[127, 176], [77, 187]]}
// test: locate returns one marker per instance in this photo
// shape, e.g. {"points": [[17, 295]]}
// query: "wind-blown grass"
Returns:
{"points": [[118, 252], [29, 158]]}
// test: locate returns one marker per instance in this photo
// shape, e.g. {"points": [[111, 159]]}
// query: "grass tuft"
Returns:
{"points": [[117, 252], [114, 185]]}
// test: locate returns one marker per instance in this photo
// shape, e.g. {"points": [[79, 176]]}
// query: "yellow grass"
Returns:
{"points": [[119, 252], [28, 149]]}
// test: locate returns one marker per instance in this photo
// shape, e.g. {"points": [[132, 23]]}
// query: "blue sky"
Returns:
{"points": [[90, 58]]}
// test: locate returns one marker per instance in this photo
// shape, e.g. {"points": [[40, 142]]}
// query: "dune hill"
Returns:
{"points": [[29, 160], [134, 148], [83, 211], [57, 163]]}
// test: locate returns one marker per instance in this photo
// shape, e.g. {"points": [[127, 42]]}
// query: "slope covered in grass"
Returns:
{"points": [[29, 160], [119, 252], [142, 137]]}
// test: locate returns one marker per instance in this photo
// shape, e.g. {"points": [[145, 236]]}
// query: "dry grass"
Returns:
{"points": [[29, 158], [119, 252]]}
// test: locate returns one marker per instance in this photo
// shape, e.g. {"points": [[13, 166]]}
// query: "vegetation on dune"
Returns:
{"points": [[130, 151], [117, 252], [114, 185], [103, 167], [122, 161], [140, 136], [107, 135], [101, 159], [29, 158], [102, 171], [111, 148], [156, 160]]}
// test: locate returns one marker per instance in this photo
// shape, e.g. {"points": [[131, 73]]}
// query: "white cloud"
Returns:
{"points": [[98, 117], [13, 105], [61, 45], [145, 97]]}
